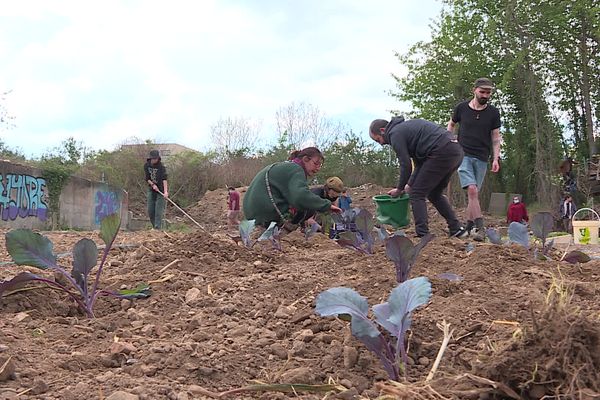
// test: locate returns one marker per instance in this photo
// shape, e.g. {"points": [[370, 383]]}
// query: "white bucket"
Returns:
{"points": [[586, 232]]}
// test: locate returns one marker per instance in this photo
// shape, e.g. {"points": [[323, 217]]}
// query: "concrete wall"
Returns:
{"points": [[24, 200]]}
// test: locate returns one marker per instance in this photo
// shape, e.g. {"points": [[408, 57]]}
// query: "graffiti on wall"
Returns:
{"points": [[106, 203], [22, 196]]}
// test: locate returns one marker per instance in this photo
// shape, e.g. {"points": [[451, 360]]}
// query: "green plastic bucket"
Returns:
{"points": [[392, 210]]}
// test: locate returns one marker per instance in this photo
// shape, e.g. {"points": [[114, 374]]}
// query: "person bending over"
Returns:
{"points": [[436, 156]]}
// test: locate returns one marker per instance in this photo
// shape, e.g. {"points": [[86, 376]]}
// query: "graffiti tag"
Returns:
{"points": [[22, 196], [107, 203]]}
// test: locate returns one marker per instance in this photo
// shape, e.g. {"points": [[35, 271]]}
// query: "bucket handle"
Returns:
{"points": [[586, 209]]}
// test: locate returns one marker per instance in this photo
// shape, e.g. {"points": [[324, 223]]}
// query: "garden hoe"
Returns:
{"points": [[184, 213]]}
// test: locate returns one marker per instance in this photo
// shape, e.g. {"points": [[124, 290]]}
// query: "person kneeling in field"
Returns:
{"points": [[280, 192], [436, 156], [331, 190]]}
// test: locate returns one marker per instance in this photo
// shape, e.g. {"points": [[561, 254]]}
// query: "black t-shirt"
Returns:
{"points": [[475, 129], [320, 191], [157, 173]]}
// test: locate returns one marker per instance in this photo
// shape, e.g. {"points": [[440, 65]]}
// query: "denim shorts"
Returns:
{"points": [[472, 172]]}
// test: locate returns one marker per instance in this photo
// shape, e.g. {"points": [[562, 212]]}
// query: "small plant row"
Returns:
{"points": [[541, 226], [385, 336], [272, 234], [32, 249]]}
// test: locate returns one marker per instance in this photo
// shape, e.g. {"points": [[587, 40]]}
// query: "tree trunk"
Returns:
{"points": [[585, 89]]}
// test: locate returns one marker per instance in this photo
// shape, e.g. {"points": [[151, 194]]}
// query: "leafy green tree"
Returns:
{"points": [[520, 46]]}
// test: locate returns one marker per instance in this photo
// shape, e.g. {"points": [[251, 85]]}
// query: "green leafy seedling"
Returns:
{"points": [[32, 249]]}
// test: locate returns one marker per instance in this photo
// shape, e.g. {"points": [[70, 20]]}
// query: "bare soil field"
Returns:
{"points": [[221, 316]]}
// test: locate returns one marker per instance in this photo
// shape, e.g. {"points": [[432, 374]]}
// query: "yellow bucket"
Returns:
{"points": [[586, 232]]}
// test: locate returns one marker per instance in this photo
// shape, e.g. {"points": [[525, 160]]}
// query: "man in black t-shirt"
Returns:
{"points": [[479, 135], [156, 178]]}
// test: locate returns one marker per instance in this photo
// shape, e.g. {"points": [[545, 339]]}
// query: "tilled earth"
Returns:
{"points": [[221, 316]]}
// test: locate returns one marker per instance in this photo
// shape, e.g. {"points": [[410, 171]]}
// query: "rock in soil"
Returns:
{"points": [[8, 394], [122, 348], [279, 351], [424, 361], [350, 357], [305, 335], [20, 317], [39, 387], [298, 375], [7, 369], [350, 394], [121, 395], [347, 383], [192, 295]]}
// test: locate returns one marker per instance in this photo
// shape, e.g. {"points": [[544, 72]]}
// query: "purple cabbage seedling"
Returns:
{"points": [[32, 249], [351, 240], [246, 229], [541, 225], [362, 240], [311, 230], [494, 236], [449, 276], [272, 235], [382, 233], [518, 233], [394, 315], [364, 225], [403, 253]]}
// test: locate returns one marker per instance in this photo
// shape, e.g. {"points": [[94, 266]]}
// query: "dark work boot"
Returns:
{"points": [[480, 235], [469, 227]]}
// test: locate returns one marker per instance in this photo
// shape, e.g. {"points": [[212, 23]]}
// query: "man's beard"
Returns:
{"points": [[482, 100]]}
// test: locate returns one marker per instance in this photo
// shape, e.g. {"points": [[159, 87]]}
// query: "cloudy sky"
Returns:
{"points": [[106, 71]]}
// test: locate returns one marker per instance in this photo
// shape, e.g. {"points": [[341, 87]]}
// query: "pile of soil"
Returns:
{"points": [[211, 209], [222, 315]]}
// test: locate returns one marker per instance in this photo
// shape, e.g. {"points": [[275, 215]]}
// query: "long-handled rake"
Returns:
{"points": [[180, 209]]}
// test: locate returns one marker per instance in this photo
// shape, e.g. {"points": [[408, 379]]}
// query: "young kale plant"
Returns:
{"points": [[403, 253], [311, 230], [541, 225], [246, 229], [518, 233], [361, 240], [394, 316], [32, 249], [494, 236], [364, 225], [272, 234]]}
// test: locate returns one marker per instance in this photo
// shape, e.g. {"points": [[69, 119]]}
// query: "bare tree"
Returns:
{"points": [[6, 119], [235, 136], [304, 123]]}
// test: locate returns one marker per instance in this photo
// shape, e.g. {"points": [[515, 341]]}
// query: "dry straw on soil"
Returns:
{"points": [[558, 355]]}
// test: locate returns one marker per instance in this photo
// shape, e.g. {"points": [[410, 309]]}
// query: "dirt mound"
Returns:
{"points": [[211, 209]]}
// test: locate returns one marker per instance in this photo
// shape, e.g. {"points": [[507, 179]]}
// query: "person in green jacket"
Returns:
{"points": [[280, 193]]}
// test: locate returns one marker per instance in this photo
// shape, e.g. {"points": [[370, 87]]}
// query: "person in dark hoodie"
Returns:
{"points": [[436, 157], [158, 190]]}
